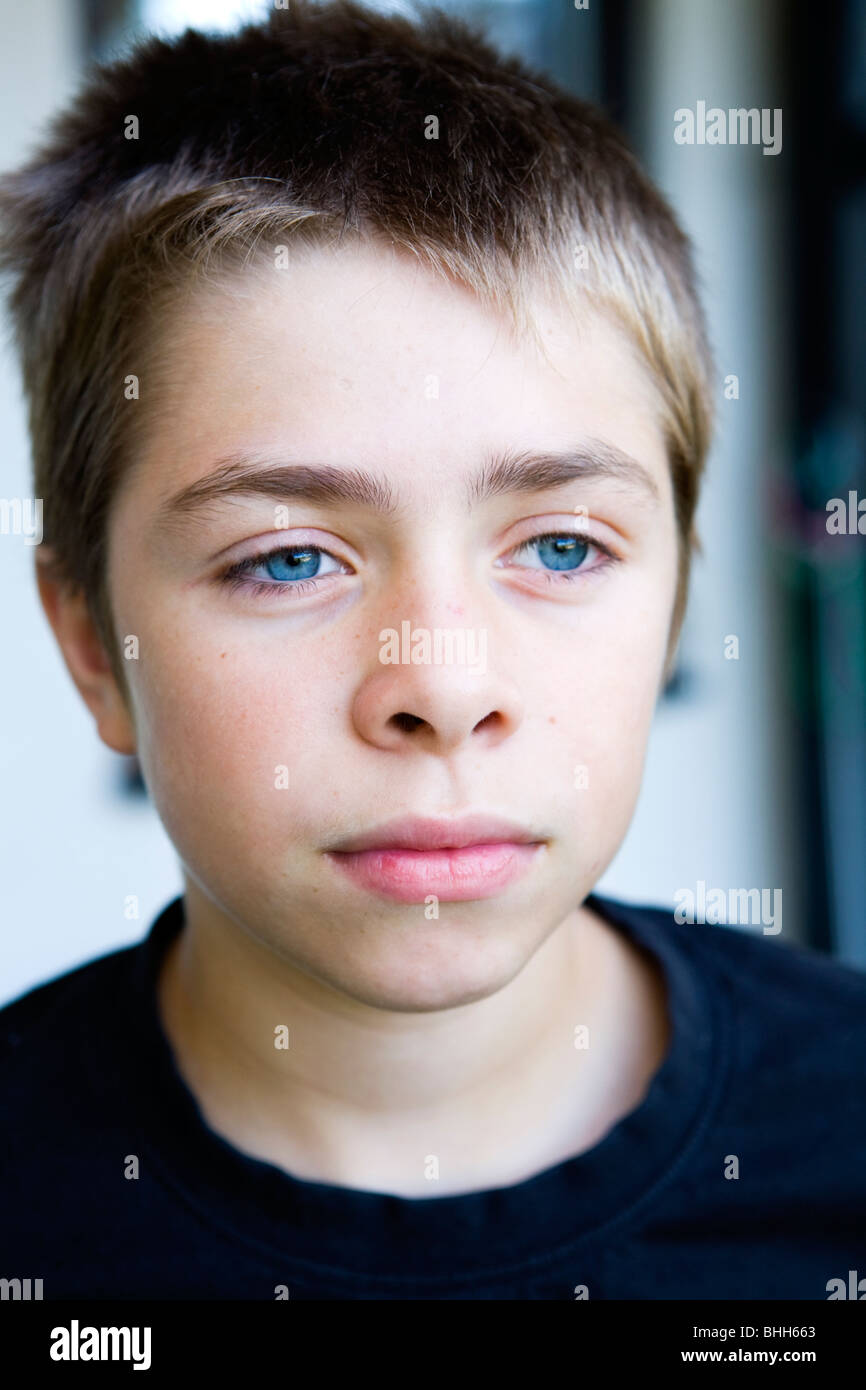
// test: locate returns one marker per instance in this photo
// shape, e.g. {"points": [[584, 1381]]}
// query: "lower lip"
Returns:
{"points": [[452, 875]]}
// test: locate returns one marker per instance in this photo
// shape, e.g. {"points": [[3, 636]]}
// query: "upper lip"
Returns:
{"points": [[420, 832]]}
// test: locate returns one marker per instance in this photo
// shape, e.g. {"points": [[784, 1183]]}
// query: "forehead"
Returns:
{"points": [[363, 354]]}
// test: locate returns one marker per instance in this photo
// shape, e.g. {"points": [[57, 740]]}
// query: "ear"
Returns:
{"points": [[85, 657]]}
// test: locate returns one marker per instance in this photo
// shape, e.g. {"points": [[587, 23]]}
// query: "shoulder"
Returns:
{"points": [[781, 972], [798, 1016], [52, 1031], [68, 1063]]}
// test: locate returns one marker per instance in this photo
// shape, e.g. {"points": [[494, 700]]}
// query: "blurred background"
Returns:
{"points": [[756, 771]]}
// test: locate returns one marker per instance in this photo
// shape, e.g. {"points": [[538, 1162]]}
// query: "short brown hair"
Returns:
{"points": [[315, 124]]}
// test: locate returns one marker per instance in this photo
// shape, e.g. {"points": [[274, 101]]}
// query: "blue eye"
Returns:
{"points": [[294, 570], [292, 567], [561, 551], [293, 564], [563, 554]]}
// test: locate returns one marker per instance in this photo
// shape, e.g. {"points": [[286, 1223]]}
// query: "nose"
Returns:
{"points": [[437, 706]]}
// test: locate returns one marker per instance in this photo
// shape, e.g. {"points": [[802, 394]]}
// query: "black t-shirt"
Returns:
{"points": [[741, 1174]]}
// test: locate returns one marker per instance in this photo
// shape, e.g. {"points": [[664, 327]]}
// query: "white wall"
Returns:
{"points": [[71, 849], [717, 802]]}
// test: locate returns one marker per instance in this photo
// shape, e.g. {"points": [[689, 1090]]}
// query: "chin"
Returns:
{"points": [[436, 973]]}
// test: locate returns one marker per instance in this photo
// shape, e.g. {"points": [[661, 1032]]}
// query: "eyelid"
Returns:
{"points": [[579, 528], [273, 542], [247, 563], [289, 537], [561, 522]]}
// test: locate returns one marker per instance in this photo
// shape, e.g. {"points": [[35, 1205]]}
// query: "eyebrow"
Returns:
{"points": [[241, 475]]}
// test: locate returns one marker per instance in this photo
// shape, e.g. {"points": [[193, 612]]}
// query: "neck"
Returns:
{"points": [[495, 1089]]}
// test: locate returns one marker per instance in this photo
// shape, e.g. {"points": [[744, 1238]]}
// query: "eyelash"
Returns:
{"points": [[237, 576]]}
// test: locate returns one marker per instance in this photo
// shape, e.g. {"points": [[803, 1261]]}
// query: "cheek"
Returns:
{"points": [[230, 742], [606, 694]]}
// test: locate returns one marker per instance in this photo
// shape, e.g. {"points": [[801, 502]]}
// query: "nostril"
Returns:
{"points": [[407, 722]]}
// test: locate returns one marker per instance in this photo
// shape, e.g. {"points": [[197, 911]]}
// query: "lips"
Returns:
{"points": [[457, 860], [425, 833]]}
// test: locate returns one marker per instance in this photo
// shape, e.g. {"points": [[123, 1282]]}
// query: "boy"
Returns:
{"points": [[348, 341]]}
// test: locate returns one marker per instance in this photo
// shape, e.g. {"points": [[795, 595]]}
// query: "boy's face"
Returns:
{"points": [[267, 725]]}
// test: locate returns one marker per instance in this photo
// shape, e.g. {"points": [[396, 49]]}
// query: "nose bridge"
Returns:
{"points": [[454, 659], [433, 616], [433, 580], [432, 682]]}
